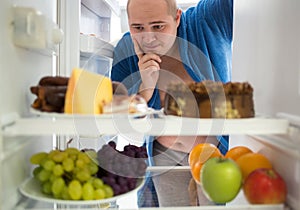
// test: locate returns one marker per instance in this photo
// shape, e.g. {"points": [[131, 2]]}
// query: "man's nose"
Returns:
{"points": [[149, 37]]}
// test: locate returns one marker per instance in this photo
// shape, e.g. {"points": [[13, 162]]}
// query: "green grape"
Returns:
{"points": [[57, 196], [52, 177], [38, 158], [99, 194], [83, 175], [84, 157], [52, 153], [75, 190], [68, 164], [65, 194], [93, 168], [108, 191], [46, 187], [80, 163], [72, 151], [73, 157], [59, 156], [48, 164], [97, 183], [75, 171], [36, 171], [58, 170], [87, 191], [44, 175], [58, 186]]}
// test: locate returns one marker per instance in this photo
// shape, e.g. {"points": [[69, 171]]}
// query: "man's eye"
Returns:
{"points": [[158, 27], [138, 28]]}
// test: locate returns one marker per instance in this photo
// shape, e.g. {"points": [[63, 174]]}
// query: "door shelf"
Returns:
{"points": [[95, 126], [91, 45]]}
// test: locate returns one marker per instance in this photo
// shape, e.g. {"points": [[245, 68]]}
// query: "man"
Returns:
{"points": [[166, 45]]}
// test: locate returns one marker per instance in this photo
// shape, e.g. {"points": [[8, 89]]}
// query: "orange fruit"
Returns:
{"points": [[199, 155], [236, 152], [252, 161]]}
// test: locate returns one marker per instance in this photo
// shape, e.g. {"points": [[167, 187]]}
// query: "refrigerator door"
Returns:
{"points": [[21, 65]]}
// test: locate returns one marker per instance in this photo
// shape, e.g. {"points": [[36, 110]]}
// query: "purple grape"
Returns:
{"points": [[131, 183], [127, 147], [120, 169], [112, 144], [122, 180], [109, 180], [112, 175], [142, 155], [129, 153], [123, 189], [116, 189]]}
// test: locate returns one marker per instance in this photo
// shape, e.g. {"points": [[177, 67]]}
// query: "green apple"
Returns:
{"points": [[221, 179]]}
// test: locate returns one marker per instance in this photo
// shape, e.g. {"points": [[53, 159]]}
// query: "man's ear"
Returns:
{"points": [[178, 16]]}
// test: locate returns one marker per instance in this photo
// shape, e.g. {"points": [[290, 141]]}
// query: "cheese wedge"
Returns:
{"points": [[87, 92]]}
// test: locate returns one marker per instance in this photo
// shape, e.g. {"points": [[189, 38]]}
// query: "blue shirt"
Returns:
{"points": [[205, 46]]}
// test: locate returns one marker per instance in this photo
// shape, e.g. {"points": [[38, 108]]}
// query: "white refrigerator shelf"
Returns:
{"points": [[94, 126], [94, 46], [236, 207]]}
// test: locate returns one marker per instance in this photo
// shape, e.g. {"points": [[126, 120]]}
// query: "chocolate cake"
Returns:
{"points": [[209, 99], [50, 92]]}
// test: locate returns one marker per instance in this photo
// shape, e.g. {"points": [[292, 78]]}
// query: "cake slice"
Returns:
{"points": [[209, 99], [87, 92]]}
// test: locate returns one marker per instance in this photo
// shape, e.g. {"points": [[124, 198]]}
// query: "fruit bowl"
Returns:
{"points": [[31, 188]]}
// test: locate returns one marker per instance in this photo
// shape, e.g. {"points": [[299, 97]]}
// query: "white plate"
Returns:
{"points": [[98, 116], [31, 189]]}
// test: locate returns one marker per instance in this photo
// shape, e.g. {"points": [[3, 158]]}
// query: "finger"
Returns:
{"points": [[151, 57], [138, 50], [150, 64], [153, 65]]}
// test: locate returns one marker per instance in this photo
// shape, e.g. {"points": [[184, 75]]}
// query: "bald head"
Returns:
{"points": [[172, 6]]}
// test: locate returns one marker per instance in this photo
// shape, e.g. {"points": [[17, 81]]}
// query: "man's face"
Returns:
{"points": [[152, 26]]}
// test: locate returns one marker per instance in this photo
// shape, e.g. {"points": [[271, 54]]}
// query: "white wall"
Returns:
{"points": [[267, 52]]}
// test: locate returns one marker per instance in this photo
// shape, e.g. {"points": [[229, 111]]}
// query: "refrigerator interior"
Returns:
{"points": [[265, 43], [99, 21], [266, 52]]}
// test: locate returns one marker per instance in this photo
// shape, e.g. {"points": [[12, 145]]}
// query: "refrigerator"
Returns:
{"points": [[40, 38]]}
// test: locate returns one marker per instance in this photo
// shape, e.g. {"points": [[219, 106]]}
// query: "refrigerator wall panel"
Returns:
{"points": [[266, 52], [20, 68]]}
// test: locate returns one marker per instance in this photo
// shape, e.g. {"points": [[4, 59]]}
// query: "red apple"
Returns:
{"points": [[265, 186]]}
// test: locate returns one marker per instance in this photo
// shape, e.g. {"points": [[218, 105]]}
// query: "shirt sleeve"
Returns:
{"points": [[218, 14], [208, 29]]}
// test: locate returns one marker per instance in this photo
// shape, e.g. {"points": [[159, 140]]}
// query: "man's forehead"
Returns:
{"points": [[145, 9], [147, 3]]}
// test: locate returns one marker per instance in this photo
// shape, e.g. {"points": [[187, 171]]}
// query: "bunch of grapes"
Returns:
{"points": [[121, 169], [70, 174]]}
